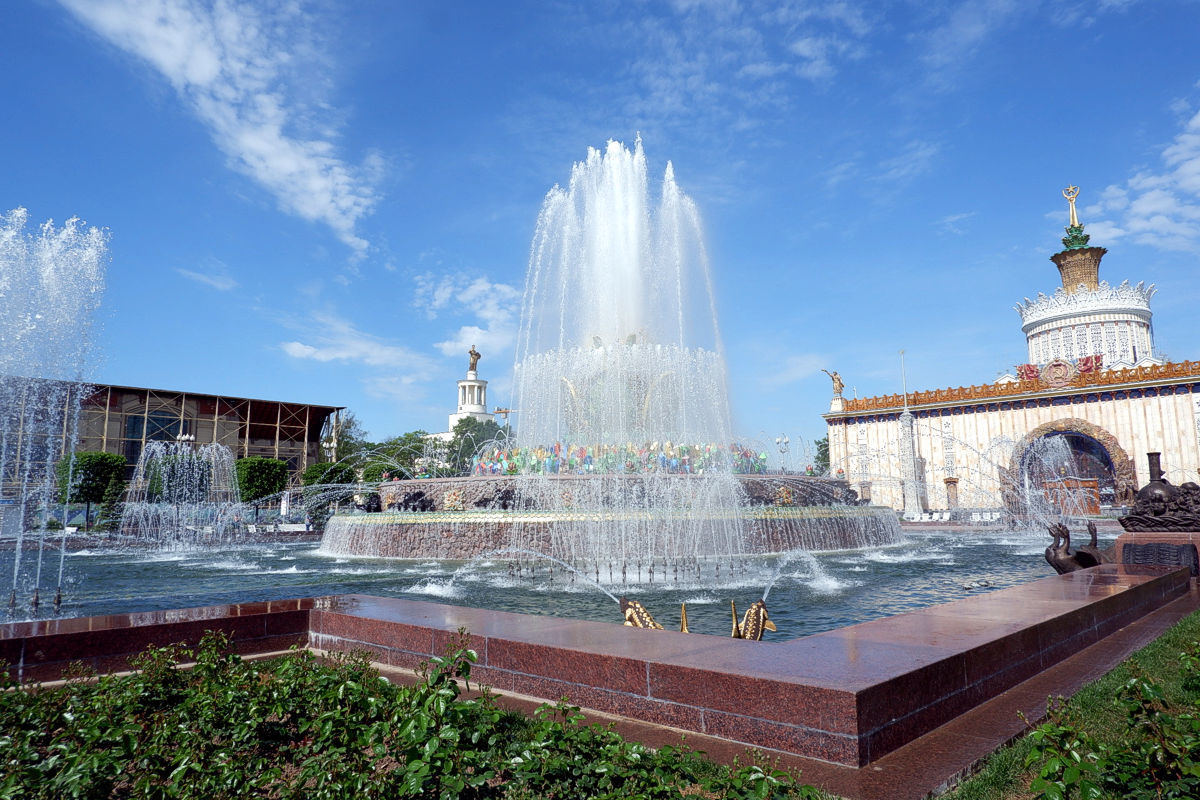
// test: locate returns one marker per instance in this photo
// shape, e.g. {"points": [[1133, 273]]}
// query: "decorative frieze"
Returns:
{"points": [[1026, 388]]}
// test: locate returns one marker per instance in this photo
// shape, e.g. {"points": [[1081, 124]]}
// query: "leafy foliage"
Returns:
{"points": [[86, 478], [821, 457], [293, 727], [470, 435], [111, 506], [323, 482], [328, 472], [351, 436], [397, 456], [260, 477], [1158, 755], [178, 479]]}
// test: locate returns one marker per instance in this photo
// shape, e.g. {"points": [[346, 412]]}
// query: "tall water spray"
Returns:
{"points": [[620, 374], [51, 282]]}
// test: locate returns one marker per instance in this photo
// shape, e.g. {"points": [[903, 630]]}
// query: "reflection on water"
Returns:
{"points": [[807, 596]]}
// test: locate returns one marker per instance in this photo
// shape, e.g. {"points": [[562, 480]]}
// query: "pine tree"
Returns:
{"points": [[112, 506]]}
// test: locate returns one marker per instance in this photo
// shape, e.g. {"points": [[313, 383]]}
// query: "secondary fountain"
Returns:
{"points": [[183, 496], [624, 460], [50, 286]]}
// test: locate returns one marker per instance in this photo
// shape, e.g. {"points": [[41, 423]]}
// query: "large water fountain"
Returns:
{"points": [[624, 455], [50, 285]]}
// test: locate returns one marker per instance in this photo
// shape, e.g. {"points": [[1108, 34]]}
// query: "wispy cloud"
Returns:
{"points": [[216, 276], [392, 366], [916, 158], [950, 223], [796, 368], [963, 30], [1156, 207], [241, 66], [495, 305]]}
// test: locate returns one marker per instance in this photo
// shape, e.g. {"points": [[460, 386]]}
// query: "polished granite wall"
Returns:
{"points": [[847, 696]]}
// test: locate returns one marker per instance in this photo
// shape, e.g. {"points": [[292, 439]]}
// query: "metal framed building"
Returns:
{"points": [[122, 419]]}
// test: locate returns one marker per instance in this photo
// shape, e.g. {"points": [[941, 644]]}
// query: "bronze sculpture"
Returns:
{"points": [[474, 354], [838, 384]]}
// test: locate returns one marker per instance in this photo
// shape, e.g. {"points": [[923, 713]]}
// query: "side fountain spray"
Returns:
{"points": [[51, 282]]}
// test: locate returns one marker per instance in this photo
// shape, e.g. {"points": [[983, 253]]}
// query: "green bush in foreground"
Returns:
{"points": [[1158, 755], [293, 727]]}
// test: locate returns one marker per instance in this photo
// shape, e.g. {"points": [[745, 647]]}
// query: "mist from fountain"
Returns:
{"points": [[183, 496], [51, 282]]}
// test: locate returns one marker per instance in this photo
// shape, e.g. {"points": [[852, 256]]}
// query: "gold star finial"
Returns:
{"points": [[1071, 192]]}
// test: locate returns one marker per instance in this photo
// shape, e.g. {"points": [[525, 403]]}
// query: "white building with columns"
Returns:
{"points": [[1092, 400], [472, 398]]}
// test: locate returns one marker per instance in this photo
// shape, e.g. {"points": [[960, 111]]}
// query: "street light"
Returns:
{"points": [[782, 442]]}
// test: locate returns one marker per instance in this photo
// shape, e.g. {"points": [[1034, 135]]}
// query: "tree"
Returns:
{"points": [[821, 459], [351, 437], [260, 477], [181, 479], [470, 435], [397, 456], [322, 486], [88, 474], [111, 506], [328, 472]]}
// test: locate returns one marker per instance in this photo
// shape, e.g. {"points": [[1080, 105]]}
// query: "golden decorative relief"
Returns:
{"points": [[990, 391]]}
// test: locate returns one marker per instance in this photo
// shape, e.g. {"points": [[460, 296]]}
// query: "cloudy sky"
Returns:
{"points": [[329, 206]]}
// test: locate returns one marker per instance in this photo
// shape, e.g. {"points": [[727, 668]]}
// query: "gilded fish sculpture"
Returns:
{"points": [[637, 616], [753, 624]]}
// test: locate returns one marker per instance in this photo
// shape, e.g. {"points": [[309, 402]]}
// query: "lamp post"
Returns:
{"points": [[783, 443]]}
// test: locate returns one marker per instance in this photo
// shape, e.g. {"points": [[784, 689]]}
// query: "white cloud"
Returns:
{"points": [[964, 29], [795, 368], [221, 281], [916, 158], [241, 67], [495, 305], [949, 223], [335, 339], [1160, 208]]}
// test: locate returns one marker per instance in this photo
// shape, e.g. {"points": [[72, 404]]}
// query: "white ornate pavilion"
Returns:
{"points": [[1093, 399]]}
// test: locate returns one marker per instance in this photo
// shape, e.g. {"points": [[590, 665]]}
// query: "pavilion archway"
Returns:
{"points": [[1082, 438]]}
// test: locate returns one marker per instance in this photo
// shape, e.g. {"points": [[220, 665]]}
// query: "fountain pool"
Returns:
{"points": [[846, 587]]}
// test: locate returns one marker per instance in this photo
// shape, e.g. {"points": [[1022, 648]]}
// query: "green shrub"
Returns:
{"points": [[1157, 755], [293, 727]]}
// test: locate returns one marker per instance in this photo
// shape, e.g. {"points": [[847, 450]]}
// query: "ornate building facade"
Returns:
{"points": [[1093, 399]]}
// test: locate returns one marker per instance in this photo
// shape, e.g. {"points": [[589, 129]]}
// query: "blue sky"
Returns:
{"points": [[328, 203]]}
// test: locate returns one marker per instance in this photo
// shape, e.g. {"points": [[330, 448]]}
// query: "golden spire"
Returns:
{"points": [[1071, 192]]}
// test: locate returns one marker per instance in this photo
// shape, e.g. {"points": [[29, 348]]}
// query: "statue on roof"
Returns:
{"points": [[838, 384], [1075, 239], [474, 354], [1071, 192]]}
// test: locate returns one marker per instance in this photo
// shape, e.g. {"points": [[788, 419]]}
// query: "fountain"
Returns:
{"points": [[50, 285], [623, 460], [183, 496]]}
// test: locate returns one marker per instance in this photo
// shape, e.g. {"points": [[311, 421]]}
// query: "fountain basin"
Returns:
{"points": [[848, 696], [468, 517]]}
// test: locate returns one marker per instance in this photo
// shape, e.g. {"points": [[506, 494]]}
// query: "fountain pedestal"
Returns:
{"points": [[1168, 548]]}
